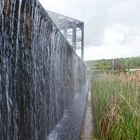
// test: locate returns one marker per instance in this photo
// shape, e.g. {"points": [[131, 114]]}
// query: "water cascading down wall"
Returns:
{"points": [[39, 71]]}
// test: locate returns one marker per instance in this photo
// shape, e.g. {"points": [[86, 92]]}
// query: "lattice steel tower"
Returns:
{"points": [[72, 29]]}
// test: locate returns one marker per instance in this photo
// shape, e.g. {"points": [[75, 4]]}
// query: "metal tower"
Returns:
{"points": [[72, 29]]}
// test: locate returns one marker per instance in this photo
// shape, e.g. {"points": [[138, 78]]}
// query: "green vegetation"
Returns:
{"points": [[116, 98], [127, 63], [116, 106]]}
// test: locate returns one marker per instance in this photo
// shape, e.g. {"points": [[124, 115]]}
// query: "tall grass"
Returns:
{"points": [[116, 107]]}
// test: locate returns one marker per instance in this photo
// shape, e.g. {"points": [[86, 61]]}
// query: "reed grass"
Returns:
{"points": [[116, 107]]}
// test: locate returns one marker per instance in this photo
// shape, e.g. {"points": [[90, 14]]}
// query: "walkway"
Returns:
{"points": [[69, 128], [88, 122]]}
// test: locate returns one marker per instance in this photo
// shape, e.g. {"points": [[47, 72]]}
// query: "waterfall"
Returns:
{"points": [[39, 71]]}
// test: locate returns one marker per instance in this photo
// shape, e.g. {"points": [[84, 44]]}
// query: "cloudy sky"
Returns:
{"points": [[112, 27]]}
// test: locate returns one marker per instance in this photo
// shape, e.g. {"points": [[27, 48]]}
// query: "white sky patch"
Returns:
{"points": [[115, 34], [120, 40], [52, 4], [61, 6], [108, 52]]}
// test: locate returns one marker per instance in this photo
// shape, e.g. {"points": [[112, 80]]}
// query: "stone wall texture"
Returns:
{"points": [[39, 71]]}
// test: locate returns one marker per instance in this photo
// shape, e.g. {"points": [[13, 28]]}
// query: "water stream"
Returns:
{"points": [[40, 75]]}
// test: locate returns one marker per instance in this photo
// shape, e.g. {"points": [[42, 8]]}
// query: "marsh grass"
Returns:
{"points": [[116, 107]]}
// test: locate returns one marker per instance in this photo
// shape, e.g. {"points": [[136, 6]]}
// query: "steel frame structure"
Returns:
{"points": [[72, 29]]}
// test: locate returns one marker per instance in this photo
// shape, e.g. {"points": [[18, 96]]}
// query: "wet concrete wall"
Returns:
{"points": [[39, 71]]}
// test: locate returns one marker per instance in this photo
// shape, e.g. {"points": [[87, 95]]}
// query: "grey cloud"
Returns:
{"points": [[109, 12], [125, 11], [100, 14]]}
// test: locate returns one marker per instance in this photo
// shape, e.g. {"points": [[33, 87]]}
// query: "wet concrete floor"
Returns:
{"points": [[69, 128]]}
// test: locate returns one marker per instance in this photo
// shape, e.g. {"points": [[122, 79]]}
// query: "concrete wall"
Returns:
{"points": [[39, 71]]}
